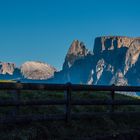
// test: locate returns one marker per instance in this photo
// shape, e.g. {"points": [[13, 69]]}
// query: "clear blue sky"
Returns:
{"points": [[43, 30]]}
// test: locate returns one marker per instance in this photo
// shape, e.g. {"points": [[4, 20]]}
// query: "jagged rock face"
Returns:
{"points": [[79, 73], [9, 71], [7, 68], [37, 70], [111, 43], [116, 56], [115, 60], [77, 67], [132, 54], [76, 51], [133, 74], [29, 70], [119, 79], [99, 68]]}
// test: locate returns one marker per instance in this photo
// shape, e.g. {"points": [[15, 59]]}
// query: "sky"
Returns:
{"points": [[43, 30]]}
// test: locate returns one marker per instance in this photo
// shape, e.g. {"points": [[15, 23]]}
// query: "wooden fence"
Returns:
{"points": [[68, 101]]}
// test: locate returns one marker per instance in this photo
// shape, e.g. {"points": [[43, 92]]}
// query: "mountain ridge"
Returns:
{"points": [[34, 70], [114, 60], [112, 56]]}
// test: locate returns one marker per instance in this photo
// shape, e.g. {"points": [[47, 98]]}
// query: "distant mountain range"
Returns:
{"points": [[114, 59], [29, 71]]}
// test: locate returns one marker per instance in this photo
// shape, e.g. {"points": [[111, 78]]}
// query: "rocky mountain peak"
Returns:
{"points": [[115, 60], [111, 43], [132, 54], [77, 48], [37, 70], [76, 51], [7, 68]]}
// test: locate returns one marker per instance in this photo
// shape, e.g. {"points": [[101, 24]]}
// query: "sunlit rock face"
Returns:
{"points": [[133, 73], [119, 79], [7, 68], [37, 70], [31, 70], [116, 56], [76, 51], [9, 71], [114, 60], [77, 67], [132, 55], [111, 43]]}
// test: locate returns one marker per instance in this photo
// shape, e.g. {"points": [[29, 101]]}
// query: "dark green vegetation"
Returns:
{"points": [[97, 126]]}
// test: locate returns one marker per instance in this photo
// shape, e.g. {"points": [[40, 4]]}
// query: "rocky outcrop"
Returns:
{"points": [[7, 68], [116, 57], [114, 60], [37, 70], [119, 79], [9, 71], [30, 70], [76, 51], [77, 67], [111, 43], [132, 54]]}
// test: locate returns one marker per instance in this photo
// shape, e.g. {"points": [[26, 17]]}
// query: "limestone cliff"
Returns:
{"points": [[118, 55], [9, 71], [37, 70], [115, 59], [29, 70], [7, 68], [111, 43], [76, 51]]}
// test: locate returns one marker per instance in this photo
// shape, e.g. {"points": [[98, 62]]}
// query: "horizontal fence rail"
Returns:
{"points": [[73, 102], [68, 102], [61, 87]]}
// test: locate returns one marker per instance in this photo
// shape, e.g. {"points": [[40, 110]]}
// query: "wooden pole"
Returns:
{"points": [[68, 102], [16, 110], [112, 98]]}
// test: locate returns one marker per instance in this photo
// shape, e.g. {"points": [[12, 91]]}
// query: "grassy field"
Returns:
{"points": [[7, 81], [97, 126]]}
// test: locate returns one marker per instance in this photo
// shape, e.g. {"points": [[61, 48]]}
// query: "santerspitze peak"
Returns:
{"points": [[76, 51]]}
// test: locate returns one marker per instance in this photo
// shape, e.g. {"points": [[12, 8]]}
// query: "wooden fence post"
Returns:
{"points": [[68, 102], [112, 98], [18, 99], [16, 110]]}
